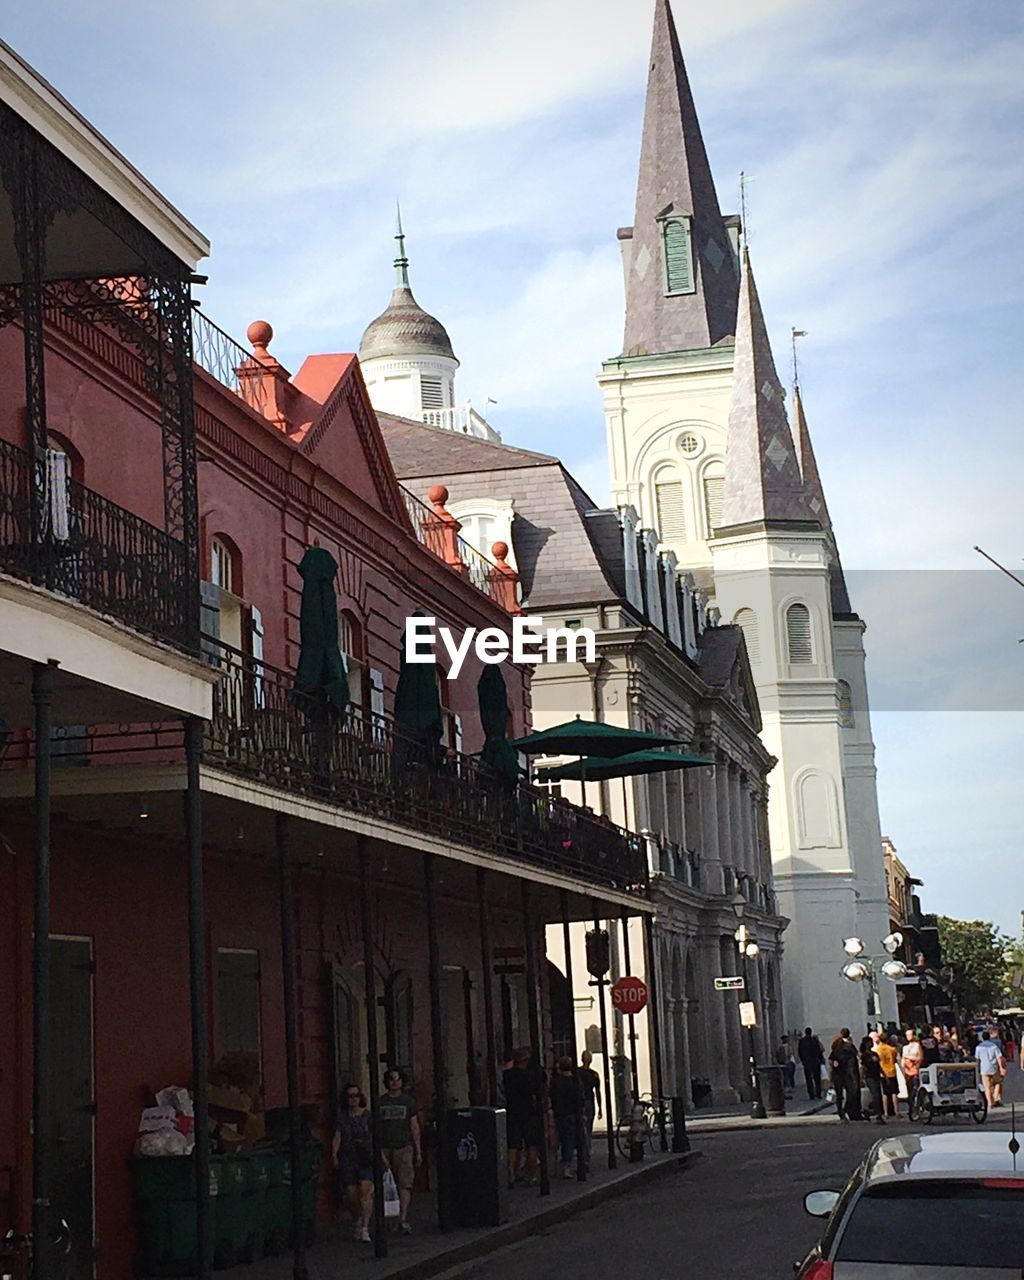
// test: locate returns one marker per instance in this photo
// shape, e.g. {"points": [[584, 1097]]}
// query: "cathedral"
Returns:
{"points": [[707, 465]]}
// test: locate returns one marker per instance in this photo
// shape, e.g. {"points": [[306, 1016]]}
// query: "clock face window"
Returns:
{"points": [[688, 444]]}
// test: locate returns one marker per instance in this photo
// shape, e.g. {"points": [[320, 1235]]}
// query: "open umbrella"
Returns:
{"points": [[594, 769], [492, 696], [320, 672], [590, 738]]}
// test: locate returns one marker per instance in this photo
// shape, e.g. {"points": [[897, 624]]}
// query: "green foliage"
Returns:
{"points": [[1014, 995], [976, 952]]}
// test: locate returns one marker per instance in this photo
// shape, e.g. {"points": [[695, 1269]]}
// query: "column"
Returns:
{"points": [[287, 907], [726, 845], [708, 968], [731, 964], [42, 1063], [706, 790]]}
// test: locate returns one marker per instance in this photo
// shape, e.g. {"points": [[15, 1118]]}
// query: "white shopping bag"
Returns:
{"points": [[391, 1206], [902, 1092]]}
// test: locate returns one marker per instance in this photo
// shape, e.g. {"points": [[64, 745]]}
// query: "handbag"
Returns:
{"points": [[392, 1207]]}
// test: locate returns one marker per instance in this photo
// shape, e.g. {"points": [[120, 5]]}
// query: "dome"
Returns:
{"points": [[405, 329]]}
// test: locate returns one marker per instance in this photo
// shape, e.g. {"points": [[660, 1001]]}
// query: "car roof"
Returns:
{"points": [[974, 1154]]}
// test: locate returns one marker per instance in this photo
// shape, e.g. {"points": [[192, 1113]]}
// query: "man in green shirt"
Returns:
{"points": [[400, 1139]]}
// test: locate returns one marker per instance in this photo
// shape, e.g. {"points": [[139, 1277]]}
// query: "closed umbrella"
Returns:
{"points": [[492, 696], [321, 670], [418, 716]]}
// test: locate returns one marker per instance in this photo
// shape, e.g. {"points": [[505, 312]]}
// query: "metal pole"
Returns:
{"points": [[197, 991], [600, 982], [291, 1029], [437, 1039], [581, 1155], [487, 969], [757, 1111], [533, 1009], [380, 1238], [631, 1018], [42, 701], [654, 1014]]}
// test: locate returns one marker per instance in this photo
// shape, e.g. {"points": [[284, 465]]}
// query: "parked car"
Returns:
{"points": [[946, 1206]]}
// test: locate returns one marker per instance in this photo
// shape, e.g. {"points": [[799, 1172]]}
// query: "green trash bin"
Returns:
{"points": [[231, 1218], [312, 1159], [165, 1206], [277, 1200]]}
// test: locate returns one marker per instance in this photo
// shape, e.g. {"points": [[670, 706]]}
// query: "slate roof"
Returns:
{"points": [[762, 474], [816, 501], [405, 329], [675, 176], [420, 450]]}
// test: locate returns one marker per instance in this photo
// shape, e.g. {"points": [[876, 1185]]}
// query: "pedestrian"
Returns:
{"points": [[844, 1063], [887, 1058], [945, 1045], [957, 1051], [566, 1104], [400, 1140], [811, 1054], [930, 1045], [871, 1074], [784, 1058], [590, 1086], [523, 1089], [911, 1062], [352, 1157], [992, 1066]]}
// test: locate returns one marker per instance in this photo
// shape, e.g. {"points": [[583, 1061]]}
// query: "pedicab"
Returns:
{"points": [[949, 1088]]}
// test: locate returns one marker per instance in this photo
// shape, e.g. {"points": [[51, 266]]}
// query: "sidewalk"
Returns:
{"points": [[799, 1110], [428, 1253]]}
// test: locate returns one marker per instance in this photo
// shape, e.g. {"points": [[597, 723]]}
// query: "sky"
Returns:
{"points": [[882, 143]]}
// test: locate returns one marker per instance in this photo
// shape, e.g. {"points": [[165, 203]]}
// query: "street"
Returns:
{"points": [[737, 1212]]}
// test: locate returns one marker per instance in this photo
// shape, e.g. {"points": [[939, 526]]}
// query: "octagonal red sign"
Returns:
{"points": [[629, 995]]}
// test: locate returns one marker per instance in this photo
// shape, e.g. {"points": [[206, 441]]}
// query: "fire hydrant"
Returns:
{"points": [[639, 1132]]}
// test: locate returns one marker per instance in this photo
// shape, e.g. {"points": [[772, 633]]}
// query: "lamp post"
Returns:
{"points": [[862, 968], [748, 951]]}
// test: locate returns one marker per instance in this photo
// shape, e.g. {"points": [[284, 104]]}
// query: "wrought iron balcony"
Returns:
{"points": [[93, 551], [262, 728]]}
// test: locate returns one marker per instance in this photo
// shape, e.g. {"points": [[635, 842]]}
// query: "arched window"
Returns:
{"points": [[845, 704], [799, 644], [714, 492], [746, 620], [350, 644], [399, 1010], [670, 506], [224, 565]]}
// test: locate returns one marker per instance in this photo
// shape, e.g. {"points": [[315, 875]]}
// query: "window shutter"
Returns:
{"points": [[746, 620], [714, 491], [209, 622], [668, 498], [256, 648], [678, 256], [457, 732], [376, 693], [798, 634], [431, 393]]}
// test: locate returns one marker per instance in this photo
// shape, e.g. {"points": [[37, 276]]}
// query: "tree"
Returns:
{"points": [[976, 952], [1014, 960]]}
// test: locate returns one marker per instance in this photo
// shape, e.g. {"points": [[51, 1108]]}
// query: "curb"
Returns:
{"points": [[453, 1261], [702, 1129]]}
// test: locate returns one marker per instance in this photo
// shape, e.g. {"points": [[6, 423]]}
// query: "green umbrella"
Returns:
{"points": [[590, 738], [321, 669], [594, 769], [492, 695], [419, 721]]}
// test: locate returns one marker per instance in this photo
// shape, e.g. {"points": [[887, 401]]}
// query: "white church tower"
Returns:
{"points": [[408, 363], [700, 444]]}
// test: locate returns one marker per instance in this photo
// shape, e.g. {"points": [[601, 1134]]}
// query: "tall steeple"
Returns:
{"points": [[680, 267], [762, 473], [841, 606]]}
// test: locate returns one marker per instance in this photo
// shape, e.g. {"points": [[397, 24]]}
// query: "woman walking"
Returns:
{"points": [[352, 1154], [911, 1062], [565, 1103], [871, 1075]]}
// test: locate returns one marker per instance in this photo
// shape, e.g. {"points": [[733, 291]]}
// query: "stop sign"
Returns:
{"points": [[629, 995]]}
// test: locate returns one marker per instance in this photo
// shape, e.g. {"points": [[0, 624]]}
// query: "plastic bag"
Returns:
{"points": [[392, 1207], [830, 1095]]}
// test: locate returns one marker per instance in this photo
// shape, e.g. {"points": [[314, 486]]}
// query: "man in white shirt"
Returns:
{"points": [[993, 1067]]}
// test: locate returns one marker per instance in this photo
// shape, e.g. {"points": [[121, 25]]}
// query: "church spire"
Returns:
{"points": [[680, 269], [815, 491], [401, 261], [762, 473]]}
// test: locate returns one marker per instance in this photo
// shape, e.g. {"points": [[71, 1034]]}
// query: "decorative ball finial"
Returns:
{"points": [[437, 495], [260, 335], [500, 551]]}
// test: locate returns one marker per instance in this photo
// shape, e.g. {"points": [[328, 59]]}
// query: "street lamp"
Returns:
{"points": [[861, 968], [748, 951]]}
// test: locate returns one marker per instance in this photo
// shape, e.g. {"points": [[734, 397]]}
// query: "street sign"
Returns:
{"points": [[729, 984], [629, 995], [748, 1013]]}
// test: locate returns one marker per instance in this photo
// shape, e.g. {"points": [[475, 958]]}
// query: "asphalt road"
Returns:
{"points": [[737, 1212]]}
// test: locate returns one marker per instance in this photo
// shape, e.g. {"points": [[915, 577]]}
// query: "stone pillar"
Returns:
{"points": [[730, 964], [726, 841], [709, 966], [710, 833]]}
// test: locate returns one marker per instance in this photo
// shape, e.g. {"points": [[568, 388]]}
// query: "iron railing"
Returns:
{"points": [[227, 360], [95, 552], [263, 728], [481, 572]]}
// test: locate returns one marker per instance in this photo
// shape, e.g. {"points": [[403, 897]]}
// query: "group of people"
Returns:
{"points": [[870, 1079], [573, 1098]]}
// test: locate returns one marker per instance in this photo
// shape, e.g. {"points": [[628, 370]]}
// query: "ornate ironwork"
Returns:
{"points": [[107, 558], [227, 360], [363, 762]]}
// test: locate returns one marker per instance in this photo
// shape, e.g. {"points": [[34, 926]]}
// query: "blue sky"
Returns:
{"points": [[883, 144]]}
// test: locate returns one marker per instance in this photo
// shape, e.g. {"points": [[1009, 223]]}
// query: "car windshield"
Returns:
{"points": [[947, 1224]]}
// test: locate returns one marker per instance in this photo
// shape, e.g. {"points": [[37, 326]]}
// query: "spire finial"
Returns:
{"points": [[796, 333], [401, 261]]}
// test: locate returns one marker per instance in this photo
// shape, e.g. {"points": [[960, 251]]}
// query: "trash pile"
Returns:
{"points": [[237, 1121], [167, 1128]]}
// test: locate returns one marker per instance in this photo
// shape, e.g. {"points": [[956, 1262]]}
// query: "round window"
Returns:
{"points": [[688, 443]]}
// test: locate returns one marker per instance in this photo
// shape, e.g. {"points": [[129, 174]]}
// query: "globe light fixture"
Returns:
{"points": [[894, 970], [752, 949], [853, 946], [855, 971], [892, 942]]}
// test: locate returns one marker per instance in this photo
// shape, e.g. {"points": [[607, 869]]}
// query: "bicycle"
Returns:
{"points": [[639, 1125]]}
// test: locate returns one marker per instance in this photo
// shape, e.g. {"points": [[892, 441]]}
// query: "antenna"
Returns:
{"points": [[1003, 569], [796, 333]]}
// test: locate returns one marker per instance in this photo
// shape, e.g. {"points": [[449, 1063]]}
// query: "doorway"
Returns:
{"points": [[70, 1105]]}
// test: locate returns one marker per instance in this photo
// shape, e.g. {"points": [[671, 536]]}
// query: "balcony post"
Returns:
{"points": [[437, 1039], [380, 1237], [581, 1130], [503, 580], [42, 700], [487, 968], [599, 982], [197, 993], [654, 1016], [631, 1017], [536, 1039], [287, 904], [441, 530]]}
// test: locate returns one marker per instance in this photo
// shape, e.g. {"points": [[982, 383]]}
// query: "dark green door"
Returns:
{"points": [[70, 1098]]}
